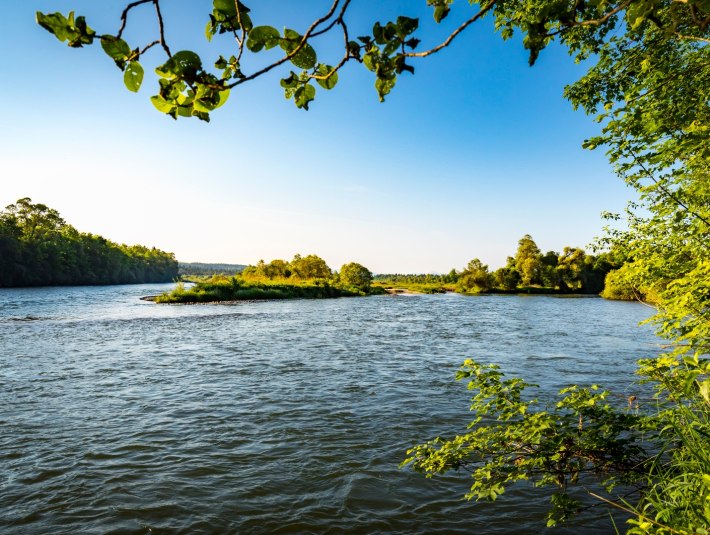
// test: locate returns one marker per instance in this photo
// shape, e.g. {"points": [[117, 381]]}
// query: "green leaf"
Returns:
{"points": [[369, 60], [406, 25], [133, 76], [384, 86], [83, 35], [54, 23], [291, 81], [223, 97], [184, 64], [228, 7], [441, 12], [331, 81], [263, 37], [306, 57], [226, 18], [116, 48], [704, 389], [76, 32], [161, 104], [304, 95], [378, 34]]}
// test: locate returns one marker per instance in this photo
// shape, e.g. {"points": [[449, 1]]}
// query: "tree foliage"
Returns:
{"points": [[189, 86], [573, 271], [475, 278], [306, 277], [38, 248], [528, 261], [357, 275], [301, 267]]}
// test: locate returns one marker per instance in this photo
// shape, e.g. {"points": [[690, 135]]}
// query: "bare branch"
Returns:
{"points": [[347, 57], [124, 14], [242, 40], [148, 47], [593, 22], [304, 41], [457, 31], [161, 27], [691, 37]]}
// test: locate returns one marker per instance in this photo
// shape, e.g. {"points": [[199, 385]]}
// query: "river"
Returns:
{"points": [[122, 416]]}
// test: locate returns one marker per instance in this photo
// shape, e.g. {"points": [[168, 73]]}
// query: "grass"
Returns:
{"points": [[237, 288], [443, 287], [417, 287]]}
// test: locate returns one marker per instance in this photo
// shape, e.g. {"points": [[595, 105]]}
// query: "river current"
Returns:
{"points": [[122, 416]]}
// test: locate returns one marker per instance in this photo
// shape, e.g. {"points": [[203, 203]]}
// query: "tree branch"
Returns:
{"points": [[161, 27], [124, 14], [453, 35], [304, 41]]}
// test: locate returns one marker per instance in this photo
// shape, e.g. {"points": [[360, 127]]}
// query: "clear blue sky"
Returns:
{"points": [[473, 151]]}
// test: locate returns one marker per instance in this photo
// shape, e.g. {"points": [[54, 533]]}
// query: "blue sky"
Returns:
{"points": [[473, 151]]}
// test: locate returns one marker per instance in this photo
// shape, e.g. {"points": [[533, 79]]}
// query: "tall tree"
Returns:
{"points": [[528, 261], [475, 278]]}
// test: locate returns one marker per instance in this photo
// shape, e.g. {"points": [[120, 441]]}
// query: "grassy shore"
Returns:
{"points": [[237, 288], [439, 288]]}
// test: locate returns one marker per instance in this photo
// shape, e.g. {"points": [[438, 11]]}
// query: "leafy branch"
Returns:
{"points": [[192, 91]]}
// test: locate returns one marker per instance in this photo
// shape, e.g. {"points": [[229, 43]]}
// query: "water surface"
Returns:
{"points": [[122, 416]]}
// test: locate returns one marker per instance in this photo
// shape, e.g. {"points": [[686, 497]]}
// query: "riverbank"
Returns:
{"points": [[223, 289], [239, 289], [429, 288]]}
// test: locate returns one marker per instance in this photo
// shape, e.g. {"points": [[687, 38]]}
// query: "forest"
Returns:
{"points": [[38, 248]]}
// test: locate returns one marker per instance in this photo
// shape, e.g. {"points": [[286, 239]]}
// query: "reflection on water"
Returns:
{"points": [[118, 415]]}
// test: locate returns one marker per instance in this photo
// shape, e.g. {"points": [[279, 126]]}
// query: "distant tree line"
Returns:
{"points": [[205, 269], [38, 248], [573, 270]]}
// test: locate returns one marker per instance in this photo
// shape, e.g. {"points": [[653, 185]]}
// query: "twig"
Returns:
{"points": [[593, 22], [304, 41], [124, 14], [148, 47], [631, 511], [243, 29], [665, 190], [161, 27], [453, 35]]}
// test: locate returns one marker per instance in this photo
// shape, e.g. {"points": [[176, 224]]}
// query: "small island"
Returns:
{"points": [[304, 277]]}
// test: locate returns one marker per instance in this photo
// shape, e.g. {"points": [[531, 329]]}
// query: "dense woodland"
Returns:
{"points": [[38, 248]]}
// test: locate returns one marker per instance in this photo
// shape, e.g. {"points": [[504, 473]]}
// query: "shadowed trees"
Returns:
{"points": [[38, 248]]}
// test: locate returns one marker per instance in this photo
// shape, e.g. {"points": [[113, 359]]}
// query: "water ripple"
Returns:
{"points": [[120, 416]]}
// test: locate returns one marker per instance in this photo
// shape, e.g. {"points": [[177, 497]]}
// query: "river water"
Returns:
{"points": [[121, 416]]}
